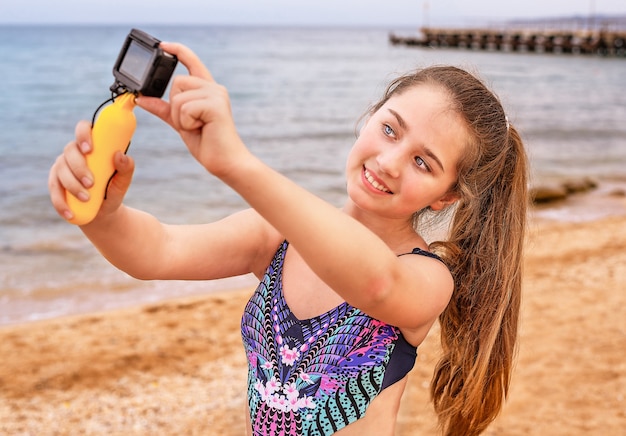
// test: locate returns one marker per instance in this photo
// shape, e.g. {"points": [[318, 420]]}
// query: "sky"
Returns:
{"points": [[383, 13]]}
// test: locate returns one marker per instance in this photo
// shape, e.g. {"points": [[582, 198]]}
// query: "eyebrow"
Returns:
{"points": [[427, 150]]}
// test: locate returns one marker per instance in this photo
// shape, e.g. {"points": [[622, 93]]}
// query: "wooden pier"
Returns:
{"points": [[596, 42]]}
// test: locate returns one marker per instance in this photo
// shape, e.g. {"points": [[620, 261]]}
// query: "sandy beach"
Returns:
{"points": [[178, 367]]}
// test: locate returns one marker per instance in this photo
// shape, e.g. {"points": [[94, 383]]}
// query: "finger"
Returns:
{"points": [[188, 107], [76, 164], [184, 89], [168, 111], [193, 115], [82, 132], [57, 193], [157, 107], [196, 102], [124, 167], [68, 181], [187, 83], [189, 59]]}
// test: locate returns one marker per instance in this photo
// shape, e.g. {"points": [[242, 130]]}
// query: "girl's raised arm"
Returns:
{"points": [[349, 257]]}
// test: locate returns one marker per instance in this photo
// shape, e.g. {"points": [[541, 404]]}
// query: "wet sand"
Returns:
{"points": [[178, 367]]}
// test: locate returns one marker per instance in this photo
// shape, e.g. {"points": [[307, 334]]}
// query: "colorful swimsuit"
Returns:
{"points": [[315, 376]]}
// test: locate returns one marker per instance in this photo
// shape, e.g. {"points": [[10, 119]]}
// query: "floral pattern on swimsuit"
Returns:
{"points": [[315, 376]]}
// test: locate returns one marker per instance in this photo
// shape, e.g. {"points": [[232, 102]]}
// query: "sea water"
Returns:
{"points": [[296, 94]]}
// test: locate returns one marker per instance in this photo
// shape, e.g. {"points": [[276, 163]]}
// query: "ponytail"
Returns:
{"points": [[483, 252], [479, 326]]}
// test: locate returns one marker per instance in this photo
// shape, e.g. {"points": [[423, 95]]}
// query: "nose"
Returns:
{"points": [[389, 161]]}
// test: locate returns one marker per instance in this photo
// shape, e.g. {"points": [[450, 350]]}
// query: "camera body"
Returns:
{"points": [[142, 67]]}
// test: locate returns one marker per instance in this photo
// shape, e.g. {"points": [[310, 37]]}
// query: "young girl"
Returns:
{"points": [[346, 295]]}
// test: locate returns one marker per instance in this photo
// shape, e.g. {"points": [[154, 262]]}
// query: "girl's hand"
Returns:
{"points": [[70, 174], [199, 109]]}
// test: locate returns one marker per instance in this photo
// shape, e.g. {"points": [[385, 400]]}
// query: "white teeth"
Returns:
{"points": [[374, 183]]}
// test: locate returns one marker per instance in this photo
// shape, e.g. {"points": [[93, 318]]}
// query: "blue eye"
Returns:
{"points": [[421, 163], [387, 130]]}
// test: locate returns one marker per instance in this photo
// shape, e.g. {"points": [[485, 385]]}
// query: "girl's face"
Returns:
{"points": [[406, 155]]}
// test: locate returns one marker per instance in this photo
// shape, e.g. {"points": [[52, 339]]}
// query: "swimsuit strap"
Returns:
{"points": [[423, 253]]}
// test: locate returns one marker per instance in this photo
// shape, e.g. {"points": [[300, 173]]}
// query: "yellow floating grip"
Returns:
{"points": [[112, 131]]}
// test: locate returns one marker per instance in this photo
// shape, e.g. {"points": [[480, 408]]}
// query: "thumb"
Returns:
{"points": [[120, 182], [155, 106]]}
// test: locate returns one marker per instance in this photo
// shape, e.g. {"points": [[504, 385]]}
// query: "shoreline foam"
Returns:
{"points": [[117, 290]]}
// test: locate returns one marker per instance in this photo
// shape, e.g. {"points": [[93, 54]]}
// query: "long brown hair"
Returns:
{"points": [[484, 252]]}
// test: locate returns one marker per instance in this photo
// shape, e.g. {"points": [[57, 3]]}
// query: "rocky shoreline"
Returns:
{"points": [[550, 192]]}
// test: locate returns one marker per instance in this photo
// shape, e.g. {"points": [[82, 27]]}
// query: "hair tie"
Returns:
{"points": [[506, 119]]}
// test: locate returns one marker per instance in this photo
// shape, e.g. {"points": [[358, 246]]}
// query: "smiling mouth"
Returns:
{"points": [[374, 183]]}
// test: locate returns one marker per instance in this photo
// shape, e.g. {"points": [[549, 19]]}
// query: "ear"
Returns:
{"points": [[445, 201]]}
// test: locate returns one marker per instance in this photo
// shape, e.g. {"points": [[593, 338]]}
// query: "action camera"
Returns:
{"points": [[142, 67]]}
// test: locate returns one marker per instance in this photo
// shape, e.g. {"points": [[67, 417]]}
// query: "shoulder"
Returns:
{"points": [[429, 294], [430, 268]]}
